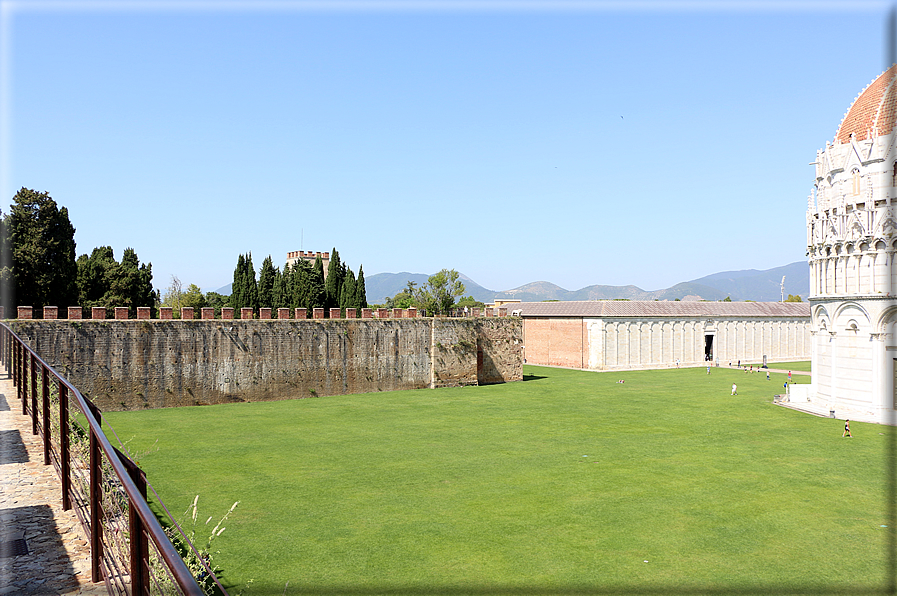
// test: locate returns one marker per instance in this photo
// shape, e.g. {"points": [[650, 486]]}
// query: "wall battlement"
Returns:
{"points": [[137, 364]]}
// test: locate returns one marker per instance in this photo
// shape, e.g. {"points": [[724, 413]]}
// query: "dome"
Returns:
{"points": [[874, 108]]}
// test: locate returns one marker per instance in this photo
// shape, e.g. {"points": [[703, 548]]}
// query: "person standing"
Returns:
{"points": [[789, 376], [846, 432], [734, 389], [708, 369], [767, 375]]}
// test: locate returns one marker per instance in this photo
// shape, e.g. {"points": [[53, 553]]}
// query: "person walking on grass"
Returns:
{"points": [[708, 369], [846, 432], [767, 375], [734, 389]]}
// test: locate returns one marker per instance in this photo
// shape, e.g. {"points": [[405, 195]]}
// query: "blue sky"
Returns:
{"points": [[579, 143]]}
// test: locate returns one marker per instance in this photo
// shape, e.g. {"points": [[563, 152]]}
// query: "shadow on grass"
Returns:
{"points": [[533, 377], [556, 590]]}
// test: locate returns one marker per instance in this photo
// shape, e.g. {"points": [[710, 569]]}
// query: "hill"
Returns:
{"points": [[749, 284]]}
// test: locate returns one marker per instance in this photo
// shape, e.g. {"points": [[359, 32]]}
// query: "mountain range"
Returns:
{"points": [[748, 284]]}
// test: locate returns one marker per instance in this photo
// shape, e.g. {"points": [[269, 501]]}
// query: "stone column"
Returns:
{"points": [[882, 378]]}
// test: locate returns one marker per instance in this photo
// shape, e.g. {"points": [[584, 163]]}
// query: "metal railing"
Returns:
{"points": [[129, 549]]}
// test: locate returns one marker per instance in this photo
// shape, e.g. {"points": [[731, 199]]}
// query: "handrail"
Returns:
{"points": [[182, 575]]}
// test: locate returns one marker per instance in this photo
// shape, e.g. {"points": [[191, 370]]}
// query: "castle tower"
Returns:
{"points": [[851, 245]]}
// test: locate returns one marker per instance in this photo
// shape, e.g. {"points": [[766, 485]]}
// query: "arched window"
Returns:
{"points": [[856, 181]]}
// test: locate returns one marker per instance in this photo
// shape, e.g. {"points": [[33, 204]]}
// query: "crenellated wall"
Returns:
{"points": [[135, 364]]}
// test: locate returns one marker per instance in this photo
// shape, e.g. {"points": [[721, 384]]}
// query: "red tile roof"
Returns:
{"points": [[873, 108], [653, 309]]}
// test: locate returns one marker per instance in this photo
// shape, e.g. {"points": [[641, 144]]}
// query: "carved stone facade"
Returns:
{"points": [[851, 243]]}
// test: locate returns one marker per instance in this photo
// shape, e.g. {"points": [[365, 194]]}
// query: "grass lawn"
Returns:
{"points": [[568, 482]]}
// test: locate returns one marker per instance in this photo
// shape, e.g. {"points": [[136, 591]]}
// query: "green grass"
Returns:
{"points": [[566, 482]]}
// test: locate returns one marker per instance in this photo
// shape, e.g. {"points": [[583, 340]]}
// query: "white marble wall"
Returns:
{"points": [[656, 343]]}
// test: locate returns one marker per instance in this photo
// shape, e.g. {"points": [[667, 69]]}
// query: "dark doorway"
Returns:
{"points": [[708, 348]]}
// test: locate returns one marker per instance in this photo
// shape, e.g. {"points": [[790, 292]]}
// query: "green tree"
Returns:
{"points": [[334, 281], [194, 297], [174, 294], [42, 246], [94, 275], [437, 296], [469, 302], [130, 283], [216, 301], [267, 277], [361, 297], [244, 292], [792, 298], [347, 292]]}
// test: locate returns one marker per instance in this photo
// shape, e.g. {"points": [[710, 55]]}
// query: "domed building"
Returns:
{"points": [[851, 245]]}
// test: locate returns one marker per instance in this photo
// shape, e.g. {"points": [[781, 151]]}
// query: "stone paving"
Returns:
{"points": [[58, 558]]}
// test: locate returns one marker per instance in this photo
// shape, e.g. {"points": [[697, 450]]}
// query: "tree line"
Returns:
{"points": [[38, 266], [300, 285]]}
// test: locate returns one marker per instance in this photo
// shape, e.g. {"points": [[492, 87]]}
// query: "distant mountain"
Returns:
{"points": [[762, 286], [750, 284]]}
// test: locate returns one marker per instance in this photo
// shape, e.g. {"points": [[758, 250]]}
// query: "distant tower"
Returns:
{"points": [[310, 257], [851, 245]]}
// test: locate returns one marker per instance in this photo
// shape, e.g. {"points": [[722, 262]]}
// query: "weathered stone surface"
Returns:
{"points": [[139, 364]]}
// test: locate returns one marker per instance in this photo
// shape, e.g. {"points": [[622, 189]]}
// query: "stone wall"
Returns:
{"points": [[134, 364]]}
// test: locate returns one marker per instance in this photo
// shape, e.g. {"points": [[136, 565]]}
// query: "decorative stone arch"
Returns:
{"points": [[820, 318], [851, 305], [887, 316]]}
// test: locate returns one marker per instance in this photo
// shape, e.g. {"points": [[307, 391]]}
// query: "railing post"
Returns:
{"points": [[96, 477], [45, 414], [64, 447], [34, 409], [23, 389], [140, 582]]}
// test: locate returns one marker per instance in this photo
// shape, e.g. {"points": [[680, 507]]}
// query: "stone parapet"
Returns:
{"points": [[51, 313], [207, 313], [75, 313]]}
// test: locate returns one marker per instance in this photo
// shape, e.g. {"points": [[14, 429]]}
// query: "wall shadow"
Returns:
{"points": [[45, 568], [12, 448]]}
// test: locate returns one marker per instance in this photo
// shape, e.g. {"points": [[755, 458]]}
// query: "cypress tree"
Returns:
{"points": [[347, 293], [250, 285], [361, 299], [333, 283], [266, 283], [236, 290], [316, 295]]}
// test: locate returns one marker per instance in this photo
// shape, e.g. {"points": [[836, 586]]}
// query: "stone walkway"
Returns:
{"points": [[58, 557]]}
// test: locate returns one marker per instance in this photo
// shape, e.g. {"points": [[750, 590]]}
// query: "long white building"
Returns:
{"points": [[851, 246]]}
